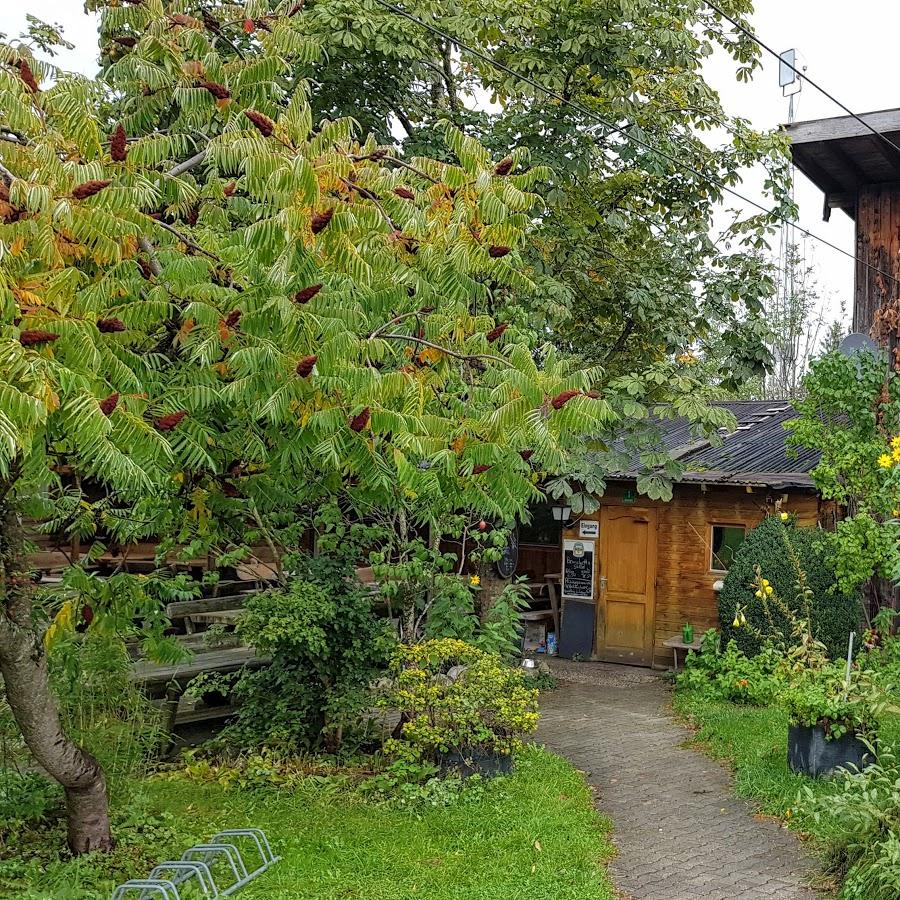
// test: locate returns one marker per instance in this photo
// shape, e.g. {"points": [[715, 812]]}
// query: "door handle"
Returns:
{"points": [[602, 583]]}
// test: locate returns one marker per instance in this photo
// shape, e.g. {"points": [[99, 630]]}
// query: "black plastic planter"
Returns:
{"points": [[811, 753], [475, 762]]}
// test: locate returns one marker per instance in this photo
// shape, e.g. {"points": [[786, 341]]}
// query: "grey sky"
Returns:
{"points": [[846, 53]]}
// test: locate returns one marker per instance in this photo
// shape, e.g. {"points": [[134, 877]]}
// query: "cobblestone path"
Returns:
{"points": [[680, 833]]}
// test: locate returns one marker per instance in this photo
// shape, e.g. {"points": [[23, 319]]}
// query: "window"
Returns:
{"points": [[725, 541]]}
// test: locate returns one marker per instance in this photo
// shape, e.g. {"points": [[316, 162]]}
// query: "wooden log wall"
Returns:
{"points": [[878, 254], [684, 580]]}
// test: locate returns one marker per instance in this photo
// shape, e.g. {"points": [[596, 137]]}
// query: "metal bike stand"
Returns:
{"points": [[184, 871], [257, 835], [194, 869], [148, 887]]}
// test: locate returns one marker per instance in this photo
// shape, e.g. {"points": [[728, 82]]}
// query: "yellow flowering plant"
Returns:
{"points": [[454, 698]]}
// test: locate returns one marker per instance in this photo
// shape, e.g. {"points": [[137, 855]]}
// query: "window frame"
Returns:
{"points": [[712, 554]]}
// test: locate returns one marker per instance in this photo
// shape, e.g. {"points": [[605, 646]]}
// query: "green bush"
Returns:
{"points": [[860, 825], [730, 674], [778, 549], [454, 697], [326, 646]]}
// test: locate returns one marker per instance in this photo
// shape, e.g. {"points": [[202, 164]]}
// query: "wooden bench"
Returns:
{"points": [[192, 612], [169, 682], [676, 644]]}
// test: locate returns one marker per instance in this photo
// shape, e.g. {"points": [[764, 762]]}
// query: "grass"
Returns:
{"points": [[533, 834], [753, 741]]}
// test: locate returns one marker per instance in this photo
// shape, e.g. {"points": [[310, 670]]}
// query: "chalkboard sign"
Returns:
{"points": [[578, 570], [506, 565]]}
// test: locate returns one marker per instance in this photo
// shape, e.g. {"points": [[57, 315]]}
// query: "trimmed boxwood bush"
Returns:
{"points": [[834, 614]]}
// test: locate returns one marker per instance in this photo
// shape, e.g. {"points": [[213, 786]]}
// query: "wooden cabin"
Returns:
{"points": [[637, 570]]}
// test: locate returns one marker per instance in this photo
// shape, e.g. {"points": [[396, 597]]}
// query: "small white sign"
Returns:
{"points": [[588, 528]]}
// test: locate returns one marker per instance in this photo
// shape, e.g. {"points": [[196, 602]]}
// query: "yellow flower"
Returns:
{"points": [[475, 580], [769, 590], [784, 517], [759, 594], [743, 618], [896, 454], [895, 442], [885, 460], [765, 582], [737, 622]]}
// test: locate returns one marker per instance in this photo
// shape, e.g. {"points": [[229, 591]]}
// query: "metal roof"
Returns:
{"points": [[755, 453], [840, 155]]}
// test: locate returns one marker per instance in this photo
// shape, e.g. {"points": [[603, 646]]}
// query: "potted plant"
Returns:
{"points": [[461, 709], [831, 719]]}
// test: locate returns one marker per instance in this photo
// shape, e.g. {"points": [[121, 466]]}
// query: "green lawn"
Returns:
{"points": [[533, 834]]}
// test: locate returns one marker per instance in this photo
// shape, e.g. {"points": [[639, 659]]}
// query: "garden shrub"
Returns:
{"points": [[781, 550], [454, 697], [326, 646], [860, 825], [732, 675]]}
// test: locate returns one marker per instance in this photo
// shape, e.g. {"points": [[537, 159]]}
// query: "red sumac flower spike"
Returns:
{"points": [[168, 422], [88, 189], [496, 333], [481, 467], [27, 76], [219, 91], [357, 423], [320, 220], [108, 326], [109, 404], [248, 26], [232, 319], [34, 337], [560, 400], [144, 266], [504, 167], [229, 490], [118, 144], [380, 153], [264, 125], [306, 365], [229, 188], [526, 454], [307, 293], [405, 193], [125, 40], [496, 252]]}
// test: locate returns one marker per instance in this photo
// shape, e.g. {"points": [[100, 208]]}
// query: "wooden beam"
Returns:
{"points": [[843, 127]]}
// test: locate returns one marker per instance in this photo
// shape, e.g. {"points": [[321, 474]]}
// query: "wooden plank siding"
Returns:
{"points": [[877, 251], [684, 580]]}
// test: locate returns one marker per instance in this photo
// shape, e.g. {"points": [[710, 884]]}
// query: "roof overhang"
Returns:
{"points": [[840, 155], [775, 481]]}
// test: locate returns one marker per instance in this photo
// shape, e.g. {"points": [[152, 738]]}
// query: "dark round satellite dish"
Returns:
{"points": [[857, 343]]}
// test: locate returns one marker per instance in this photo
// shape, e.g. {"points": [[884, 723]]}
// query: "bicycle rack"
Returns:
{"points": [[233, 847]]}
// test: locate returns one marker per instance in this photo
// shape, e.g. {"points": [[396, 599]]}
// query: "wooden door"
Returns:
{"points": [[627, 600]]}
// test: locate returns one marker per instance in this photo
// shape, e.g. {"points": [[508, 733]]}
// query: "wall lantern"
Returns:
{"points": [[562, 513]]}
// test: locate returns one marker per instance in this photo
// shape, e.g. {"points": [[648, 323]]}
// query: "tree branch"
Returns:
{"points": [[188, 164], [186, 240], [467, 357], [397, 319]]}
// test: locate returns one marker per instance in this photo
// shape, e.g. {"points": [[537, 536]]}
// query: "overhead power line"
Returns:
{"points": [[754, 37], [585, 111]]}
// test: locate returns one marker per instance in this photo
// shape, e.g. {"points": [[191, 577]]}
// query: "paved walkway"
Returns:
{"points": [[680, 833]]}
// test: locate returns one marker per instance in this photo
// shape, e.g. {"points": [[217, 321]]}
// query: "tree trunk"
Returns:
{"points": [[23, 665]]}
